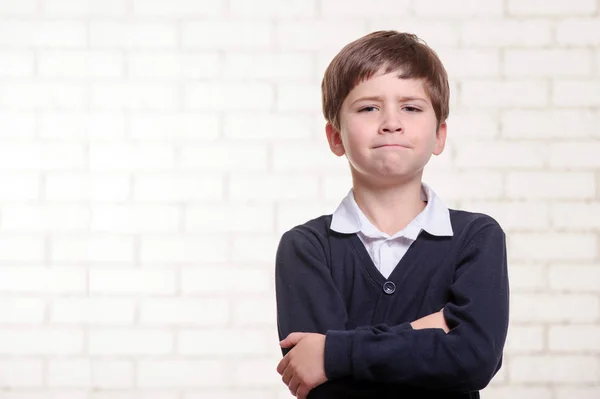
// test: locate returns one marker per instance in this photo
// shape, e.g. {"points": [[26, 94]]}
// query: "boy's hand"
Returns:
{"points": [[434, 320], [303, 368]]}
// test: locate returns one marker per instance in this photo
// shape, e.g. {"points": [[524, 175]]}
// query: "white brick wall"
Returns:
{"points": [[152, 152]]}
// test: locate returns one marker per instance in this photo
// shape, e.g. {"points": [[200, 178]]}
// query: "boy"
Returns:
{"points": [[359, 292]]}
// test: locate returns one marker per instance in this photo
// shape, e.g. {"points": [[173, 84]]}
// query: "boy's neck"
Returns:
{"points": [[391, 208]]}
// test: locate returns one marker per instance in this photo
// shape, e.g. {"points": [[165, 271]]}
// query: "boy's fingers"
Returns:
{"points": [[283, 364], [292, 340]]}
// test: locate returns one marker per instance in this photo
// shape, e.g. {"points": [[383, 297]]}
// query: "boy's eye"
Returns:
{"points": [[367, 109], [411, 109]]}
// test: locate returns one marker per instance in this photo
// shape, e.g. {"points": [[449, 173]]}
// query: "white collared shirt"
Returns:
{"points": [[385, 250]]}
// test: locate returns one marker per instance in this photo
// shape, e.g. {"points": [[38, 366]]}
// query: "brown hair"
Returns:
{"points": [[393, 51]]}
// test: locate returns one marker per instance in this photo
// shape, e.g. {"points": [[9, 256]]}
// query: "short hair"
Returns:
{"points": [[393, 51]]}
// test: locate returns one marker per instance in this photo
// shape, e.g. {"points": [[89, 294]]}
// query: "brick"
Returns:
{"points": [[232, 394], [135, 219], [16, 64], [468, 124], [174, 126], [574, 277], [579, 338], [293, 157], [53, 394], [554, 308], [317, 35], [42, 280], [437, 33], [76, 8], [20, 95], [20, 248], [356, 9], [80, 65], [257, 372], [504, 33], [45, 218], [577, 392], [229, 217], [130, 342], [254, 312], [256, 248], [183, 249], [224, 156], [38, 156], [578, 31], [261, 126], [514, 215], [91, 248], [509, 93], [111, 374], [536, 63], [525, 339], [182, 373], [40, 33], [551, 8], [493, 154], [130, 281], [243, 280], [19, 373], [14, 310], [554, 369], [17, 124], [461, 8], [273, 8], [110, 157], [268, 66], [138, 96], [552, 246], [171, 65], [233, 34], [77, 126], [467, 63], [223, 343], [177, 187], [517, 392], [178, 8], [218, 96], [76, 373], [176, 311], [40, 342], [542, 185], [576, 93], [95, 311], [527, 277], [290, 215], [133, 394], [19, 186], [273, 187], [548, 124], [298, 97], [451, 185], [86, 187], [132, 35], [23, 7], [335, 187], [576, 215]]}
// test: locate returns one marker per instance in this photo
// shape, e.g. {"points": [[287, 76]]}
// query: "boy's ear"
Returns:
{"points": [[335, 140], [440, 139]]}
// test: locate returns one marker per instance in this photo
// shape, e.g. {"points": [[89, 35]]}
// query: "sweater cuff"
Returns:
{"points": [[338, 354]]}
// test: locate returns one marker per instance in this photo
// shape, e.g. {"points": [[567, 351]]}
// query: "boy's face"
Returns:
{"points": [[388, 129]]}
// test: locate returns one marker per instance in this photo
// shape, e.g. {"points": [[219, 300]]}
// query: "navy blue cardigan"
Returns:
{"points": [[327, 283]]}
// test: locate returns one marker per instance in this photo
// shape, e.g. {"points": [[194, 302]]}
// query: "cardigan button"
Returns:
{"points": [[389, 287]]}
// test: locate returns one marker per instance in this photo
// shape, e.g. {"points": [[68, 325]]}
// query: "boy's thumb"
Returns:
{"points": [[292, 339]]}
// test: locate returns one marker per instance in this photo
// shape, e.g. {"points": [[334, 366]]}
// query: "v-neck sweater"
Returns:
{"points": [[327, 283]]}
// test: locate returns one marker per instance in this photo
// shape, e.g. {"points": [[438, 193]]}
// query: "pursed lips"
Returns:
{"points": [[391, 146]]}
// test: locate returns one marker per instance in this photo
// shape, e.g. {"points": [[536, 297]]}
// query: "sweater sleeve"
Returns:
{"points": [[307, 299], [466, 358]]}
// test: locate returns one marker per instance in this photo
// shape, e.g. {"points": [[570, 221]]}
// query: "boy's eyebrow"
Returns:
{"points": [[401, 99]]}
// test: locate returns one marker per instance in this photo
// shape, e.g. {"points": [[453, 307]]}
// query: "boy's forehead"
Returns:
{"points": [[389, 84]]}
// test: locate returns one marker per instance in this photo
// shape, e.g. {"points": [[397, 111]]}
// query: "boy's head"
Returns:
{"points": [[393, 52], [385, 98]]}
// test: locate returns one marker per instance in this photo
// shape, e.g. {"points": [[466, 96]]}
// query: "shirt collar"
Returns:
{"points": [[435, 218]]}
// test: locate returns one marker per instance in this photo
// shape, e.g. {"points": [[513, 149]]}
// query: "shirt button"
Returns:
{"points": [[389, 287]]}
